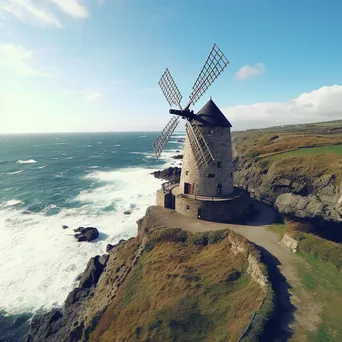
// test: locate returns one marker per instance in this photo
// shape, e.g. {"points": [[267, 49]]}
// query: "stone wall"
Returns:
{"points": [[160, 198], [217, 211], [220, 145]]}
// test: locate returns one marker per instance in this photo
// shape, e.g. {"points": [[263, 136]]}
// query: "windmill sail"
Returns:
{"points": [[165, 135], [199, 146], [170, 89], [214, 65]]}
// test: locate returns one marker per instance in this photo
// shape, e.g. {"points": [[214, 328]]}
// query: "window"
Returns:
{"points": [[211, 175], [187, 207], [219, 164], [186, 173]]}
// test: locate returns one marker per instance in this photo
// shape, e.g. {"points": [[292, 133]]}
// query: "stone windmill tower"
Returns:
{"points": [[215, 178], [206, 187]]}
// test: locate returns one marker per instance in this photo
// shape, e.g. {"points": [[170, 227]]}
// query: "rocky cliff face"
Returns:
{"points": [[293, 193], [162, 285]]}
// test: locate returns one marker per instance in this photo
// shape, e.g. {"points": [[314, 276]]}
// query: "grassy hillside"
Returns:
{"points": [[309, 150], [319, 267], [185, 288]]}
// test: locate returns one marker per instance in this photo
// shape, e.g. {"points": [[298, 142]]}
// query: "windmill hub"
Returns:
{"points": [[206, 189]]}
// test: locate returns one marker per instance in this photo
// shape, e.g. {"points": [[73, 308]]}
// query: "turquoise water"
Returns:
{"points": [[73, 179]]}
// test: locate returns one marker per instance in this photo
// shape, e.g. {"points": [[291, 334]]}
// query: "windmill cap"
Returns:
{"points": [[211, 115]]}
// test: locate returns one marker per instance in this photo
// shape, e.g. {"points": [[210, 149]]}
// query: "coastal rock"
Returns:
{"points": [[170, 174], [86, 234], [110, 246], [177, 156], [92, 272], [127, 212], [75, 295], [65, 226]]}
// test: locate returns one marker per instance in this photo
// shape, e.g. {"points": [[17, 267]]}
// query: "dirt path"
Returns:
{"points": [[294, 313]]}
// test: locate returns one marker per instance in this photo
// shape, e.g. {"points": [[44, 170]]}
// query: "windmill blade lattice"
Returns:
{"points": [[165, 135], [213, 67], [170, 89], [199, 146]]}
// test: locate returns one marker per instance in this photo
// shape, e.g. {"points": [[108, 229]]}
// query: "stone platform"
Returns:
{"points": [[217, 208]]}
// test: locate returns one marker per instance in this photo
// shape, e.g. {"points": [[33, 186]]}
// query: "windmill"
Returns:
{"points": [[213, 67]]}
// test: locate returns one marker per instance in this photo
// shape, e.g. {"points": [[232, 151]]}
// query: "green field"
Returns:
{"points": [[324, 282], [305, 152]]}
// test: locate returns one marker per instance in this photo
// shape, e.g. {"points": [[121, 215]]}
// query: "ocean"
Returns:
{"points": [[50, 180]]}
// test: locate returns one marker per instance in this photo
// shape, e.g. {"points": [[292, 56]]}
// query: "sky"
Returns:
{"points": [[94, 65]]}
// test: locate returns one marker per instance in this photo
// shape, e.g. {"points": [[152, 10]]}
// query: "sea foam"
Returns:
{"points": [[29, 161], [45, 259]]}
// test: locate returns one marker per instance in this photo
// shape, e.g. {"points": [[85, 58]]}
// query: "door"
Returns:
{"points": [[189, 188]]}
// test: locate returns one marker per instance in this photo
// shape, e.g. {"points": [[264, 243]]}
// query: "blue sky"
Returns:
{"points": [[94, 65]]}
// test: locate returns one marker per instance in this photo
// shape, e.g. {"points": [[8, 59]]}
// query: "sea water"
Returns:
{"points": [[46, 181]]}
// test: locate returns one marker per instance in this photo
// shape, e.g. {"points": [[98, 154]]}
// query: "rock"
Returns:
{"points": [[92, 273], [103, 259], [75, 295], [46, 325], [177, 156], [86, 234], [76, 333], [65, 226], [274, 137], [290, 243], [127, 212], [171, 173], [109, 247]]}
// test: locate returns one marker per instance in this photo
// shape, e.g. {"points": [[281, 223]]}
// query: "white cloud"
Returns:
{"points": [[94, 96], [27, 11], [248, 71], [322, 104], [19, 59], [72, 8]]}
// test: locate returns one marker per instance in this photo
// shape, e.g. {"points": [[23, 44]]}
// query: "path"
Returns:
{"points": [[293, 314]]}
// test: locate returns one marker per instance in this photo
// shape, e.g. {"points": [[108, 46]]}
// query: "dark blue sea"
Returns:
{"points": [[46, 181]]}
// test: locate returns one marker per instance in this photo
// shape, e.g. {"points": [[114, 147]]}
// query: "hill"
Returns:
{"points": [[297, 167], [166, 285]]}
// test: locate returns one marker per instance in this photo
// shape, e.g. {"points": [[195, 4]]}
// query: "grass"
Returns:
{"points": [[324, 282], [312, 151], [277, 228], [186, 287]]}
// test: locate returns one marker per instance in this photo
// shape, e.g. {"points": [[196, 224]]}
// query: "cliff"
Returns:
{"points": [[165, 284], [299, 168]]}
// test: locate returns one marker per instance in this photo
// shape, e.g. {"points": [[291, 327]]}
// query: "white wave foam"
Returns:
{"points": [[14, 172], [13, 202], [29, 161], [117, 145], [47, 258], [41, 167]]}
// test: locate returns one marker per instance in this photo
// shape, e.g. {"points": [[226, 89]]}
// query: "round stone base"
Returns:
{"points": [[224, 211]]}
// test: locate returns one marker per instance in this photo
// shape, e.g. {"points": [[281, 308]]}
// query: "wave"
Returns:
{"points": [[44, 279], [13, 202], [14, 172], [41, 167], [117, 145], [29, 161]]}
